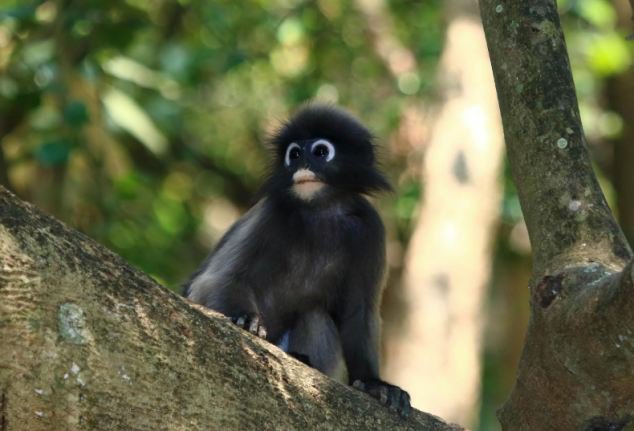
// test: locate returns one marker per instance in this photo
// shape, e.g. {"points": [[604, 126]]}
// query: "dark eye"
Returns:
{"points": [[293, 152], [320, 151], [323, 149]]}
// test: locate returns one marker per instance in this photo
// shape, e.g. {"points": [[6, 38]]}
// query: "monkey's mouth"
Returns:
{"points": [[306, 184], [304, 176], [306, 181]]}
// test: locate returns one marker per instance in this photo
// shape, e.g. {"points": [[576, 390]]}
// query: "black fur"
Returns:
{"points": [[307, 274]]}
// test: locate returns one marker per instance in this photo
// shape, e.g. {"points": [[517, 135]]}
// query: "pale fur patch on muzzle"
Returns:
{"points": [[306, 184]]}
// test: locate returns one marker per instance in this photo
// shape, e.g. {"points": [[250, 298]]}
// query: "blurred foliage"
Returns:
{"points": [[144, 123]]}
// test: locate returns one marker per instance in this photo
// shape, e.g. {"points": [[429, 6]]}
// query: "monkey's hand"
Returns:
{"points": [[252, 323], [393, 397]]}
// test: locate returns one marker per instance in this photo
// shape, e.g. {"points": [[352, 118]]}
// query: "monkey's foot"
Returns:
{"points": [[252, 323], [393, 397]]}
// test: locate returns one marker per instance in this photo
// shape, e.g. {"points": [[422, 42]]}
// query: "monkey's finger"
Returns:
{"points": [[358, 384], [383, 395], [254, 324], [406, 406], [256, 327], [394, 398], [241, 321], [378, 391], [262, 331]]}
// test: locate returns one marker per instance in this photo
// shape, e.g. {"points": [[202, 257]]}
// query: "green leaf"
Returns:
{"points": [[609, 54], [75, 113], [53, 152], [600, 13], [38, 53], [19, 11]]}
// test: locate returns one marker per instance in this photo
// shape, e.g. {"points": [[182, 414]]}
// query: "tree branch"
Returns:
{"points": [[578, 358], [566, 213], [89, 342]]}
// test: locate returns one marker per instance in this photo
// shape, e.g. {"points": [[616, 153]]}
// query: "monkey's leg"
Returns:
{"points": [[315, 336]]}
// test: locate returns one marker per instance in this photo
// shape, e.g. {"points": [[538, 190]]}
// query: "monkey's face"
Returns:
{"points": [[321, 167], [321, 153], [307, 162]]}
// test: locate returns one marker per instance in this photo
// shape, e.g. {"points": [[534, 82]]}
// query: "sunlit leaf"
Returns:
{"points": [[609, 54], [131, 70], [598, 12], [290, 32], [37, 53], [131, 117]]}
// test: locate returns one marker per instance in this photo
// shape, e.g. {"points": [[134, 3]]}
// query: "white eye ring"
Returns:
{"points": [[331, 148], [287, 157]]}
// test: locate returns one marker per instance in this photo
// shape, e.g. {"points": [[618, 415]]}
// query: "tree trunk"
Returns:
{"points": [[439, 345], [578, 359], [88, 342]]}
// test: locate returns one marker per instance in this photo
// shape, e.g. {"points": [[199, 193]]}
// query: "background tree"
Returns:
{"points": [[438, 344]]}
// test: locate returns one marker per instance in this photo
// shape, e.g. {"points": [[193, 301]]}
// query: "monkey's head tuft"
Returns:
{"points": [[322, 151]]}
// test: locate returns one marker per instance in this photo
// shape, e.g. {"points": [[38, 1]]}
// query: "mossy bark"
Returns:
{"points": [[577, 368], [89, 343]]}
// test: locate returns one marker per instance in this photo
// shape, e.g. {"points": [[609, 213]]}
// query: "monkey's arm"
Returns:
{"points": [[231, 297], [219, 283]]}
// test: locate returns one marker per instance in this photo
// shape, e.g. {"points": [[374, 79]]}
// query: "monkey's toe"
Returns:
{"points": [[393, 397], [251, 323]]}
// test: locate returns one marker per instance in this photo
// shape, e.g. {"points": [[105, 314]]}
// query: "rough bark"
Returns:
{"points": [[439, 345], [578, 359], [87, 342]]}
